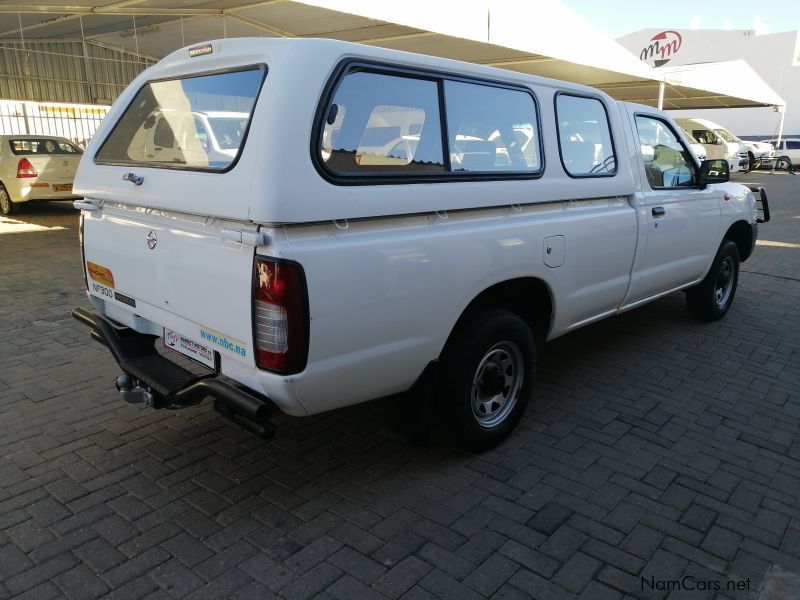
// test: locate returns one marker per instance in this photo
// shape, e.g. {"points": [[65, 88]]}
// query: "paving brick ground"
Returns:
{"points": [[656, 448]]}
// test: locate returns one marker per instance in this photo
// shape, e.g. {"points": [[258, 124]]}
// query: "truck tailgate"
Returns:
{"points": [[184, 272]]}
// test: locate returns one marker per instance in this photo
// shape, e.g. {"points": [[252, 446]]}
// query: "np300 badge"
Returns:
{"points": [[152, 240]]}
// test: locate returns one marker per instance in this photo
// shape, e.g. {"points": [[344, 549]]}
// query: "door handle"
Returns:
{"points": [[133, 178], [86, 205], [659, 211]]}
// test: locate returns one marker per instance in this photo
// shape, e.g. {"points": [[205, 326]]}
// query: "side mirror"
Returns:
{"points": [[714, 171]]}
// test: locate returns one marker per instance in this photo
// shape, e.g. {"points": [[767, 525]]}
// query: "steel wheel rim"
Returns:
{"points": [[724, 284], [497, 383]]}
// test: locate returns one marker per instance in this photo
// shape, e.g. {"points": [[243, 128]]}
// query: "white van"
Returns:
{"points": [[754, 149], [389, 222], [717, 144]]}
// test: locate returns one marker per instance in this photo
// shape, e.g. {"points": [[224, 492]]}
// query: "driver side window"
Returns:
{"points": [[667, 162]]}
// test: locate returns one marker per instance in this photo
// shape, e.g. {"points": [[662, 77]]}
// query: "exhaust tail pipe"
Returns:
{"points": [[262, 427]]}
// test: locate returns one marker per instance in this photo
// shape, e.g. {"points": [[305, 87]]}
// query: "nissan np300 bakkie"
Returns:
{"points": [[325, 223]]}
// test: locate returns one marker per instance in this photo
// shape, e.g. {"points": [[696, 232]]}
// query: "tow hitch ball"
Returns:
{"points": [[131, 392]]}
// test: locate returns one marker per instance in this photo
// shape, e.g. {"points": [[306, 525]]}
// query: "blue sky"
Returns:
{"points": [[618, 17]]}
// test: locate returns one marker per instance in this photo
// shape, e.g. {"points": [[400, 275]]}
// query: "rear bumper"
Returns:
{"points": [[21, 190], [160, 383]]}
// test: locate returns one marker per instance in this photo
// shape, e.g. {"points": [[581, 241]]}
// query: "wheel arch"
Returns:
{"points": [[529, 297], [741, 234]]}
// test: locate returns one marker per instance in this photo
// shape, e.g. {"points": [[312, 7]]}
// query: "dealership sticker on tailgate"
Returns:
{"points": [[189, 348], [224, 342]]}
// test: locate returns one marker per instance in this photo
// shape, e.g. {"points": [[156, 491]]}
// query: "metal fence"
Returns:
{"points": [[76, 122], [66, 71]]}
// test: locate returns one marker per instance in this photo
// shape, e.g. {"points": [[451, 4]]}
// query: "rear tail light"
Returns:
{"points": [[280, 316], [25, 169]]}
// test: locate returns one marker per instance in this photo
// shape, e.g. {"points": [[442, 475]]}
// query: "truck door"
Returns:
{"points": [[679, 228]]}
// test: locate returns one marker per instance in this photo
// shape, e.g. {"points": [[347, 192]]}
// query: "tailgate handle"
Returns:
{"points": [[249, 238], [133, 178], [86, 205]]}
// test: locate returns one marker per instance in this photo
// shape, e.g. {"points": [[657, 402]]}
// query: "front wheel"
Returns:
{"points": [[6, 205], [710, 299], [487, 375]]}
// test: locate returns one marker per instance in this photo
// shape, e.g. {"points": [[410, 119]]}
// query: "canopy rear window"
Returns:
{"points": [[194, 123]]}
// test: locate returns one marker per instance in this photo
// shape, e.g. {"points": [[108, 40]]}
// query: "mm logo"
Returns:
{"points": [[662, 47]]}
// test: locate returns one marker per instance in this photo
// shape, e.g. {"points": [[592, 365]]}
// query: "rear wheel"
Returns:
{"points": [[487, 375], [711, 298], [7, 207]]}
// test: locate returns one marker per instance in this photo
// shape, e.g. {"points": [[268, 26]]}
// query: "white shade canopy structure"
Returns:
{"points": [[536, 37], [729, 84]]}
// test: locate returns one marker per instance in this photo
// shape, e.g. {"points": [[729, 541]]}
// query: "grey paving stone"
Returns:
{"points": [[721, 542], [80, 582], [698, 518], [550, 518], [40, 573], [563, 543], [402, 577], [444, 587], [347, 587], [312, 582], [491, 574], [577, 572], [361, 567], [537, 587]]}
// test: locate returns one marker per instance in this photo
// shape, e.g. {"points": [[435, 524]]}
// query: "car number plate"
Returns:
{"points": [[189, 348], [63, 187]]}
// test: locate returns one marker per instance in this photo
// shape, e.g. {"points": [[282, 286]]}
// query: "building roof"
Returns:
{"points": [[512, 34]]}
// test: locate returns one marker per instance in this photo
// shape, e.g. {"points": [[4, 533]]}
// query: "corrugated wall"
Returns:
{"points": [[65, 71]]}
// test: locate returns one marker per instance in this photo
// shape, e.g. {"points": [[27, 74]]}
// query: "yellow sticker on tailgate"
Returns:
{"points": [[100, 274]]}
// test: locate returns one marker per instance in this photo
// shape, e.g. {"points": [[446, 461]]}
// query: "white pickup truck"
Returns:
{"points": [[388, 220]]}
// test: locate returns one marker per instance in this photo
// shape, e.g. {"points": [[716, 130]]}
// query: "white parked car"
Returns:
{"points": [[754, 149], [35, 167], [389, 222]]}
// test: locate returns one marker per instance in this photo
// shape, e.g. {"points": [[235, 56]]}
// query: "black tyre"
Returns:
{"points": [[7, 207], [487, 377], [751, 161], [710, 299]]}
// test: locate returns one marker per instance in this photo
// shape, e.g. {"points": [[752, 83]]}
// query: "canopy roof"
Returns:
{"points": [[512, 34], [732, 83]]}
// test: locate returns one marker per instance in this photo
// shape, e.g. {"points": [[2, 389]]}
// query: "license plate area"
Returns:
{"points": [[191, 349], [62, 187]]}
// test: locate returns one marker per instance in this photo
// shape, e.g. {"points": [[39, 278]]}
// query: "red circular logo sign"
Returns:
{"points": [[662, 47]]}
